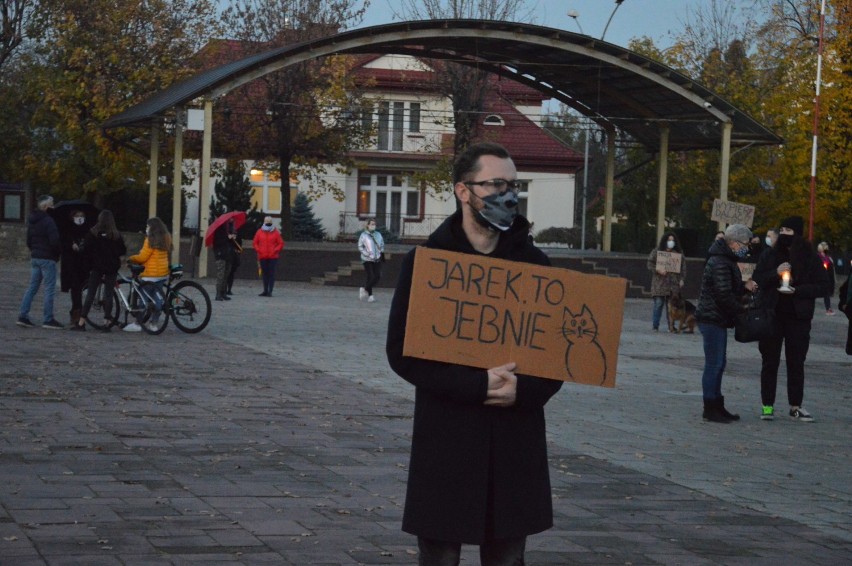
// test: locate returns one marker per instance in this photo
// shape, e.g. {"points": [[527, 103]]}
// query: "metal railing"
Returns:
{"points": [[401, 227]]}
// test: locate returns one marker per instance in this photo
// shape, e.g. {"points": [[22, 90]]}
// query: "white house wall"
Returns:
{"points": [[550, 199]]}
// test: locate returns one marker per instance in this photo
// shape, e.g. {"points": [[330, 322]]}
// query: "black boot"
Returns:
{"points": [[219, 297], [712, 413], [724, 412]]}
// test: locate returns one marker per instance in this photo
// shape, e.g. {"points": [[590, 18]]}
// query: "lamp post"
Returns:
{"points": [[614, 10], [816, 125], [575, 16]]}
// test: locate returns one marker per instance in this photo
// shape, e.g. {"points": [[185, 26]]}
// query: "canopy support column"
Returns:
{"points": [[661, 192], [177, 183], [610, 183], [725, 165], [204, 197], [153, 176]]}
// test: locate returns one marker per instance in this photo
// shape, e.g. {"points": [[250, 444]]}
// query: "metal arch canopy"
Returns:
{"points": [[613, 86]]}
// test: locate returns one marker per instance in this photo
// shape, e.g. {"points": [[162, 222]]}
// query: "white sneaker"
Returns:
{"points": [[133, 327], [153, 326], [371, 299], [362, 294]]}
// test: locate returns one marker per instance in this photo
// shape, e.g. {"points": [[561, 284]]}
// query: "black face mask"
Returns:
{"points": [[784, 240]]}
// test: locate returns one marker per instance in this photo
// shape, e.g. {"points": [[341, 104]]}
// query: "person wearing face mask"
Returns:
{"points": [[771, 237], [478, 472], [664, 283], [74, 266], [267, 244], [372, 248], [719, 303], [794, 311]]}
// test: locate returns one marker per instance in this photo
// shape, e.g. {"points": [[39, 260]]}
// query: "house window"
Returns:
{"points": [[493, 120], [266, 193], [389, 198], [391, 124], [414, 118]]}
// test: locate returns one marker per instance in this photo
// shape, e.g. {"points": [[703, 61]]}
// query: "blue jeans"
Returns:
{"points": [[659, 307], [715, 358], [42, 270], [154, 289]]}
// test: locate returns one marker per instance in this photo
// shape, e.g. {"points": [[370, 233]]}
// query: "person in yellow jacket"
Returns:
{"points": [[154, 255]]}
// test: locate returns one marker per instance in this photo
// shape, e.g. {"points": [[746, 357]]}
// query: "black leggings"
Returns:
{"points": [[374, 273], [95, 277]]}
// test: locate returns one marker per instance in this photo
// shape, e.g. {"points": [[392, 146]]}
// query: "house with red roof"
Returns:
{"points": [[414, 131]]}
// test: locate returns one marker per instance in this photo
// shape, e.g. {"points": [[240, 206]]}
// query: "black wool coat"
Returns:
{"points": [[476, 472]]}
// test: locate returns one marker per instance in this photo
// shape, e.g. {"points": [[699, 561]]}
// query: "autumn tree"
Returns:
{"points": [[14, 20], [93, 59], [305, 117]]}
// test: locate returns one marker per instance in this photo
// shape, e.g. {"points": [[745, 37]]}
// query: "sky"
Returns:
{"points": [[657, 19]]}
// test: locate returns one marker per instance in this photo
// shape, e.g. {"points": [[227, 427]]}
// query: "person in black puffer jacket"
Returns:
{"points": [[718, 306], [43, 242], [793, 314]]}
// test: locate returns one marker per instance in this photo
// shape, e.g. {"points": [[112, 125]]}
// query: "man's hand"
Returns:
{"points": [[784, 267], [502, 386], [751, 285]]}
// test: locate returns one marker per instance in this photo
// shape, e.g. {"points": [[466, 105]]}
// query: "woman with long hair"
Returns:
{"points": [[104, 247], [154, 255], [664, 283]]}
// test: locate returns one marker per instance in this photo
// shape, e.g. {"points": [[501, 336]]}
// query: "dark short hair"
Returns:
{"points": [[468, 162]]}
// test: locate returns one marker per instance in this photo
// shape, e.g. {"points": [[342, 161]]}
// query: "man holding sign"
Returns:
{"points": [[478, 472]]}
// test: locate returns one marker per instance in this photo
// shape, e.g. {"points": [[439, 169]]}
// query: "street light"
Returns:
{"points": [[614, 10], [575, 16]]}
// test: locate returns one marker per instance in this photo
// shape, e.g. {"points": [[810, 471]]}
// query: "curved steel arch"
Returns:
{"points": [[613, 86]]}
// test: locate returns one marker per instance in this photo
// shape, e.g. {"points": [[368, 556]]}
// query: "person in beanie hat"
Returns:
{"points": [[794, 312], [719, 304]]}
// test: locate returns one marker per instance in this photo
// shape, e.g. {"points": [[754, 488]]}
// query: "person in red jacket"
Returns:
{"points": [[268, 245]]}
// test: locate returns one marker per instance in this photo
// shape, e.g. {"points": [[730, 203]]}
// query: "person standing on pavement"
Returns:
{"points": [[154, 255], [104, 248], [664, 283], [718, 305], [74, 265], [828, 265], [235, 263], [224, 250], [44, 245], [478, 472], [372, 247], [793, 314], [845, 306], [268, 245]]}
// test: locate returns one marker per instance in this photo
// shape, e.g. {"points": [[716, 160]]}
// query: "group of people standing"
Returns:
{"points": [[90, 253], [227, 250], [723, 296]]}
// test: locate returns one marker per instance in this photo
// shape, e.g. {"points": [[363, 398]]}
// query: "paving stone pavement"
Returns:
{"points": [[279, 435]]}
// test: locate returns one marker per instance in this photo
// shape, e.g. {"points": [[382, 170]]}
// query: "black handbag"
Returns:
{"points": [[756, 323]]}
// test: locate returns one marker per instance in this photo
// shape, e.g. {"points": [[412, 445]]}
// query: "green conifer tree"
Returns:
{"points": [[305, 226], [233, 192]]}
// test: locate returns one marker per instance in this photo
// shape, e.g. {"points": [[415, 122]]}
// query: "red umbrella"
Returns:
{"points": [[238, 216]]}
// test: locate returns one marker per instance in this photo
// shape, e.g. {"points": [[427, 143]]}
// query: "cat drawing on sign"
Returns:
{"points": [[584, 354]]}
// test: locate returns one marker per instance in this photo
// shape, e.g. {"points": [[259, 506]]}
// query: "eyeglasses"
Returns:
{"points": [[501, 186]]}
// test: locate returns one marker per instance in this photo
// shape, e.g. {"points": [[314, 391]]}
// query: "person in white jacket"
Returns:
{"points": [[372, 246]]}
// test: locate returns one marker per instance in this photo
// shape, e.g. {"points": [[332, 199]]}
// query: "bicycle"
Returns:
{"points": [[186, 303]]}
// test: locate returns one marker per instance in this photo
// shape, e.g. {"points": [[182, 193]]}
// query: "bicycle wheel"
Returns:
{"points": [[152, 327], [189, 306], [98, 313]]}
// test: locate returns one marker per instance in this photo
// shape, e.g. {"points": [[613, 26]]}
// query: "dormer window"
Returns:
{"points": [[493, 120]]}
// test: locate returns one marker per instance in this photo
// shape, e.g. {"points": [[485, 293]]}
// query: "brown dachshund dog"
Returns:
{"points": [[683, 311]]}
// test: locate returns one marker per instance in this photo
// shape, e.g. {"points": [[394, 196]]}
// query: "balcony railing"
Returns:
{"points": [[401, 227]]}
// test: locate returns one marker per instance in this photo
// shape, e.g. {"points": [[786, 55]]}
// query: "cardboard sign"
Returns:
{"points": [[747, 270], [732, 212], [483, 312], [669, 261]]}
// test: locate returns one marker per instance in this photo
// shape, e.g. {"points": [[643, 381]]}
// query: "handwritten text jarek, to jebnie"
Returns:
{"points": [[481, 321]]}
